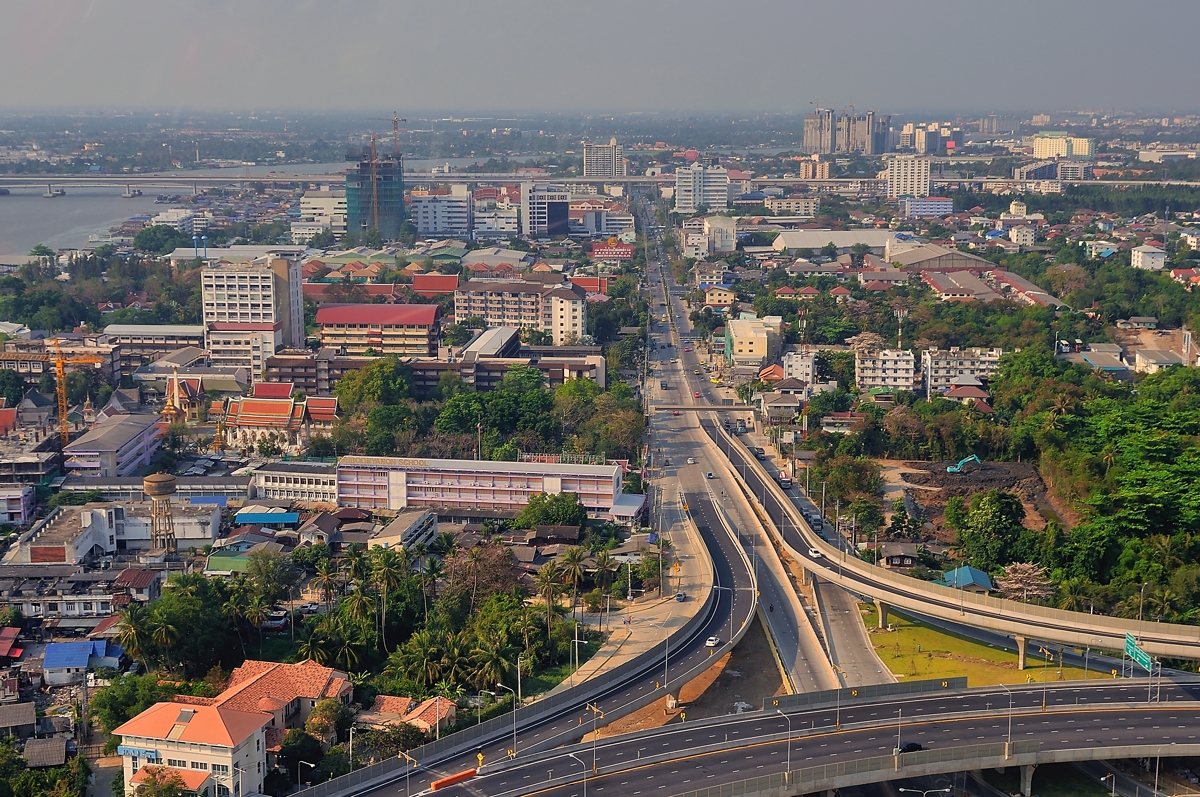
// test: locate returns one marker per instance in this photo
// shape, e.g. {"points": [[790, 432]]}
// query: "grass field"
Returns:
{"points": [[1049, 780], [916, 650]]}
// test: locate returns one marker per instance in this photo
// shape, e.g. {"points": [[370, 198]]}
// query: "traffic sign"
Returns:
{"points": [[1136, 653]]}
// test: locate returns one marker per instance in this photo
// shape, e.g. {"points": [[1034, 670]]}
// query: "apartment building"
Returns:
{"points": [[801, 366], [926, 207], [699, 186], [1048, 144], [892, 369], [752, 342], [603, 160], [942, 366], [1149, 258], [402, 329], [555, 307], [1023, 235], [907, 175], [251, 310], [327, 206], [144, 343], [442, 214], [121, 446], [545, 211], [721, 232], [794, 205], [814, 169]]}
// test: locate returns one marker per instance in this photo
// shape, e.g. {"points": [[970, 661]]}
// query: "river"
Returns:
{"points": [[27, 218]]}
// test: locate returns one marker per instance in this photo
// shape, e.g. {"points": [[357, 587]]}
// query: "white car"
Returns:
{"points": [[711, 642], [691, 460], [814, 553]]}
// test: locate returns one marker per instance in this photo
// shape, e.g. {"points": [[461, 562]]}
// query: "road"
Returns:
{"points": [[1079, 716]]}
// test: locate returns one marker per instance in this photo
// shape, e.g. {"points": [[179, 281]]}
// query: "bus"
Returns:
{"points": [[785, 481]]}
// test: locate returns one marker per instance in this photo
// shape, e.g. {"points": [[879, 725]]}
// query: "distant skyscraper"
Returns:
{"points": [[375, 197], [907, 175], [864, 134], [603, 160], [820, 132]]}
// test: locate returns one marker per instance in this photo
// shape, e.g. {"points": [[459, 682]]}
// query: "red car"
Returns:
{"points": [[695, 395], [675, 412], [687, 348]]}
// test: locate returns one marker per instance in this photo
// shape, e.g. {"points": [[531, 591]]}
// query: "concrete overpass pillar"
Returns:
{"points": [[1027, 778], [881, 609], [1021, 652]]}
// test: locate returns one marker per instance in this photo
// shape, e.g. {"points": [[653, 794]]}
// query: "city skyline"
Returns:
{"points": [[1006, 57]]}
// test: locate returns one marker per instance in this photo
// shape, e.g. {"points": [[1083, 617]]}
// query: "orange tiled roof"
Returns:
{"points": [[391, 704], [218, 725], [255, 680], [430, 712]]}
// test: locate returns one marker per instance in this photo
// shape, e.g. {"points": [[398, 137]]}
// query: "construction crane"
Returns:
{"points": [[60, 379], [395, 120]]}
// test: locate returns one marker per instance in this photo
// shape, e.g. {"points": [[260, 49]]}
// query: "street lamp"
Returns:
{"points": [[596, 712], [298, 763], [412, 764], [1008, 744], [1111, 777], [927, 792], [479, 708], [788, 776], [1157, 762], [585, 772], [514, 713]]}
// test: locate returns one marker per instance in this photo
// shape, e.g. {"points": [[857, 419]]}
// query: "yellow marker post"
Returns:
{"points": [[479, 756]]}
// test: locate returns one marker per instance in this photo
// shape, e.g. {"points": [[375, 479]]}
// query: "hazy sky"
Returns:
{"points": [[598, 56]]}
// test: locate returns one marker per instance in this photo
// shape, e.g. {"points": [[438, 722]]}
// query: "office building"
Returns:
{"points": [[556, 306], [1040, 170], [407, 330], [943, 366], [926, 207], [251, 310], [795, 205], [907, 175], [699, 186], [862, 134], [820, 132], [603, 160], [325, 205], [891, 369], [752, 342], [297, 481], [141, 344], [496, 489], [121, 446], [496, 222], [545, 211], [442, 214], [999, 124], [375, 196], [721, 232], [1074, 170], [1055, 144]]}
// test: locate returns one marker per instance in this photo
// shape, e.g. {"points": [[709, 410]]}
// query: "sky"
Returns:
{"points": [[602, 56]]}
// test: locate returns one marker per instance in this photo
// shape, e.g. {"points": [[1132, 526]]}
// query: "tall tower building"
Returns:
{"points": [[907, 175], [375, 196], [603, 160], [699, 185], [545, 210], [820, 134], [252, 309]]}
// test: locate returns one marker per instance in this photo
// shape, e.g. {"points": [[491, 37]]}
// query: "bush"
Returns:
{"points": [[592, 600]]}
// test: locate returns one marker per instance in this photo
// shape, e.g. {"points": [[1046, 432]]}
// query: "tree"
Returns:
{"points": [[126, 696], [560, 509], [133, 630], [328, 718], [605, 570], [298, 746], [549, 587], [160, 239], [12, 388], [572, 570], [1022, 581], [271, 574], [387, 572], [160, 781], [991, 529]]}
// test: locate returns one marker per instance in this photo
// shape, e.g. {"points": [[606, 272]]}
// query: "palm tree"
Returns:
{"points": [[359, 607], [232, 609], [456, 657], [165, 636], [355, 563], [326, 580], [133, 630], [524, 626], [316, 646], [474, 563], [345, 652], [1071, 595], [423, 661], [444, 545], [388, 570], [492, 662], [255, 613], [572, 570], [549, 587], [605, 570], [432, 571]]}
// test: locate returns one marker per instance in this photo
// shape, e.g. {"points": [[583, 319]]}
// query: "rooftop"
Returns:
{"points": [[416, 314], [215, 725], [113, 434]]}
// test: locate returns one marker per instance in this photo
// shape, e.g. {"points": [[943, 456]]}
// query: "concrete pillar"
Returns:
{"points": [[1027, 778], [881, 609], [1020, 652]]}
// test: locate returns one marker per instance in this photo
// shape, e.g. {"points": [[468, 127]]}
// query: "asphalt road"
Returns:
{"points": [[1079, 716]]}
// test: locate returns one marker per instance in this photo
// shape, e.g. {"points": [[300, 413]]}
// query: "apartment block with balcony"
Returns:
{"points": [[891, 369], [558, 308], [942, 366], [402, 329]]}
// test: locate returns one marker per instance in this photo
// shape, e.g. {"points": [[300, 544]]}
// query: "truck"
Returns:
{"points": [[785, 481]]}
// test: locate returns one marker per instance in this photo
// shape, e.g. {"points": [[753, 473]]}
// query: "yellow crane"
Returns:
{"points": [[60, 381]]}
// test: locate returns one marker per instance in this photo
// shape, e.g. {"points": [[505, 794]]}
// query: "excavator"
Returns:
{"points": [[959, 467]]}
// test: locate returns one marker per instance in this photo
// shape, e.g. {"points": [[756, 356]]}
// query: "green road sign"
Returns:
{"points": [[1136, 653]]}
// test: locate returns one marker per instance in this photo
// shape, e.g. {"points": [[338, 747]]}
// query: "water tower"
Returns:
{"points": [[160, 487]]}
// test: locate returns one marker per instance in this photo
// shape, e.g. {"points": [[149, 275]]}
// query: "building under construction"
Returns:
{"points": [[375, 195]]}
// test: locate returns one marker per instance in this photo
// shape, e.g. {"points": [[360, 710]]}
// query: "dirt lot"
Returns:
{"points": [[744, 676], [1020, 478]]}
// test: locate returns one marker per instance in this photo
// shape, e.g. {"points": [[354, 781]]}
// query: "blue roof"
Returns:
{"points": [[966, 576], [219, 500], [267, 518], [76, 654]]}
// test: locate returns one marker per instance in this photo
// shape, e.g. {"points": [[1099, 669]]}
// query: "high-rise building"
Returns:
{"points": [[814, 169], [699, 185], [907, 175], [545, 210], [375, 196], [251, 310], [558, 308], [864, 133], [603, 160], [927, 139], [441, 213], [1041, 119], [820, 132]]}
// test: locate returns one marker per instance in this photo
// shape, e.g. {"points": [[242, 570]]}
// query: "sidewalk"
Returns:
{"points": [[653, 619]]}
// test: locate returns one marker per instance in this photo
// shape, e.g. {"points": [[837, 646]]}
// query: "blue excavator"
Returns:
{"points": [[959, 467]]}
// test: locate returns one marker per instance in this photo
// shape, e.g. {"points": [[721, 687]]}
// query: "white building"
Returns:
{"points": [[1060, 145], [794, 205], [1148, 258], [797, 365], [176, 218], [699, 185], [1023, 235], [924, 207], [942, 366], [560, 309], [443, 215], [251, 310], [496, 222], [695, 245], [907, 175], [545, 210], [320, 210], [893, 369], [297, 481], [603, 160], [721, 232]]}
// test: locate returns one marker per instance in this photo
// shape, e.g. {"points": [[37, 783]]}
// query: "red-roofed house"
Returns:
{"points": [[272, 412], [593, 284], [404, 329], [435, 284], [841, 294], [807, 293], [785, 292], [331, 293], [434, 712]]}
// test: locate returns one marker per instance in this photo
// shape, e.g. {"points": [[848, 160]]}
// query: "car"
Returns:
{"points": [[711, 642], [667, 462], [696, 395], [675, 412], [309, 608], [911, 747], [674, 360], [696, 372], [687, 348], [814, 553], [679, 596], [709, 475], [691, 460]]}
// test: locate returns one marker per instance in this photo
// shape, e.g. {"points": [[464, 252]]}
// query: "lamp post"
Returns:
{"points": [[412, 763], [1008, 744], [1157, 762], [787, 776], [596, 712], [1142, 600], [585, 772], [1111, 777], [479, 708], [298, 763], [351, 748], [514, 713], [520, 701]]}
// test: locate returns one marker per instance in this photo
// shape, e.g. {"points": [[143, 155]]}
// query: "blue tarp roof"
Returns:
{"points": [[219, 500], [76, 654], [267, 518]]}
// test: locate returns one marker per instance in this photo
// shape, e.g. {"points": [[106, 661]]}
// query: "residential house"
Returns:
{"points": [[968, 579]]}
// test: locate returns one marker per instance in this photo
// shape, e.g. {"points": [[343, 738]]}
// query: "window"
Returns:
{"points": [[177, 763], [220, 769], [200, 765]]}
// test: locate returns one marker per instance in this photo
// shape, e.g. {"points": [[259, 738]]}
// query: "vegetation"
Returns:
{"points": [[16, 780]]}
